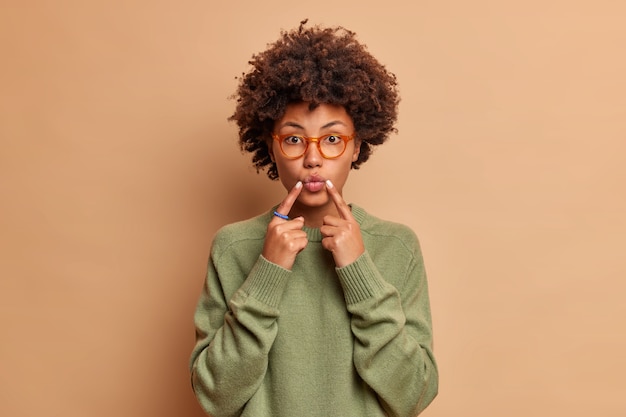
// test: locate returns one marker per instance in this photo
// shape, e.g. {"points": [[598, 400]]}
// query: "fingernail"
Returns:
{"points": [[329, 184], [299, 184]]}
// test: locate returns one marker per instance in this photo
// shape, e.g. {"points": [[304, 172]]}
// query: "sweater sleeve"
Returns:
{"points": [[233, 338], [393, 334]]}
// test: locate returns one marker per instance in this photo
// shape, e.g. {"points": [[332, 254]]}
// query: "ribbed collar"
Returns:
{"points": [[315, 235]]}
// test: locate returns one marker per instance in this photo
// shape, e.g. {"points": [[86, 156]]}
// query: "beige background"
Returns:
{"points": [[117, 165]]}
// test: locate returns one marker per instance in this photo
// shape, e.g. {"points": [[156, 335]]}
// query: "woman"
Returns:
{"points": [[315, 308]]}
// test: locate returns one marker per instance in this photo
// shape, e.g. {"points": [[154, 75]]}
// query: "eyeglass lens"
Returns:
{"points": [[330, 146]]}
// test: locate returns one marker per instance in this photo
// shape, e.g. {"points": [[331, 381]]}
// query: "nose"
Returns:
{"points": [[312, 157]]}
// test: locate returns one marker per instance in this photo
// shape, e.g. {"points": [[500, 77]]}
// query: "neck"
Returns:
{"points": [[314, 216]]}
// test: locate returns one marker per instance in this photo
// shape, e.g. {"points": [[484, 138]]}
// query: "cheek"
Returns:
{"points": [[342, 172], [282, 166], [287, 173]]}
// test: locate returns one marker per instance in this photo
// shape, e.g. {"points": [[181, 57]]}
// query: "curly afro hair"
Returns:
{"points": [[318, 66]]}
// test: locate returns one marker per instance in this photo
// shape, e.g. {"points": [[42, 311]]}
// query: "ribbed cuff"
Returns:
{"points": [[266, 282], [360, 280]]}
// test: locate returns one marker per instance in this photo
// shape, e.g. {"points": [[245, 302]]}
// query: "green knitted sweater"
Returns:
{"points": [[317, 340]]}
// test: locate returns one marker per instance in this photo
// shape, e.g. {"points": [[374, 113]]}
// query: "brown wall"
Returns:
{"points": [[117, 165]]}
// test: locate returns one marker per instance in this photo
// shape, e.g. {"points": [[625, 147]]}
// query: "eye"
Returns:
{"points": [[333, 139], [292, 140]]}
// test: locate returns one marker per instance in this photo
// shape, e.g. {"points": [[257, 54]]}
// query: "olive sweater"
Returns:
{"points": [[317, 340]]}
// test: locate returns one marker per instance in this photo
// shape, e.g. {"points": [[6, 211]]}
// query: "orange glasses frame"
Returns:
{"points": [[308, 140]]}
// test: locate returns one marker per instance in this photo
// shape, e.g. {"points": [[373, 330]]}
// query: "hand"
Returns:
{"points": [[341, 235], [285, 238]]}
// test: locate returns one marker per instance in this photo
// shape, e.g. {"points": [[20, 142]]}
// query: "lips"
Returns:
{"points": [[314, 183]]}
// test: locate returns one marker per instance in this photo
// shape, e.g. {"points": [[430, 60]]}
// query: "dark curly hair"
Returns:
{"points": [[318, 66]]}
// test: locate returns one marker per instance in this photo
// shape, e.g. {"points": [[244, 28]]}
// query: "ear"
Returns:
{"points": [[357, 150], [270, 150]]}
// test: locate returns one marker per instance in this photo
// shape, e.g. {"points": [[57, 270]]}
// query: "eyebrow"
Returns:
{"points": [[326, 126]]}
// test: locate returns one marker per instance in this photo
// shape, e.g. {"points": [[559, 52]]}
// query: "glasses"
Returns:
{"points": [[330, 146]]}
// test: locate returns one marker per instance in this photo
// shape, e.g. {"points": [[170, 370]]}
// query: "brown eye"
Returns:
{"points": [[333, 139], [292, 140]]}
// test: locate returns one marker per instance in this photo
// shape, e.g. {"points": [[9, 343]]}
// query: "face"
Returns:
{"points": [[312, 168]]}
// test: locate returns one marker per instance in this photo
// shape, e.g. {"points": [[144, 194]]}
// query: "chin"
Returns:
{"points": [[318, 199]]}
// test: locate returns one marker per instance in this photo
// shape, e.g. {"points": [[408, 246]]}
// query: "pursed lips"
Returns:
{"points": [[314, 183]]}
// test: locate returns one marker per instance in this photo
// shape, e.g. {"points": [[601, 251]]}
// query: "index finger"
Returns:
{"points": [[285, 206], [343, 207]]}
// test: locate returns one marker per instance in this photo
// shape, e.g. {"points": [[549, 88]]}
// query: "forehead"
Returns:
{"points": [[300, 115]]}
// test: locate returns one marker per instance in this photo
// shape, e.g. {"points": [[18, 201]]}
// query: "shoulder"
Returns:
{"points": [[250, 230], [385, 230]]}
